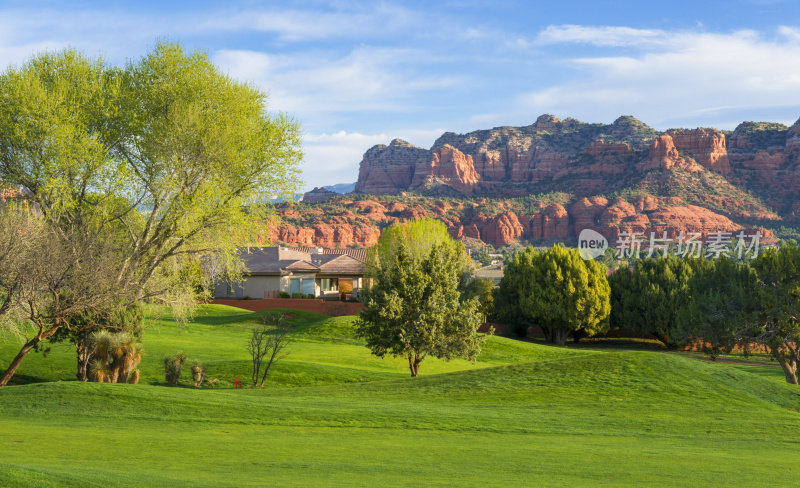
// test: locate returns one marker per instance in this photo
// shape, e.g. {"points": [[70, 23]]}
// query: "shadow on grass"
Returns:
{"points": [[24, 379], [607, 343]]}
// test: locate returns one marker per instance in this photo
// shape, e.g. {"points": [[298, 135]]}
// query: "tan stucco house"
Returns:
{"points": [[310, 271]]}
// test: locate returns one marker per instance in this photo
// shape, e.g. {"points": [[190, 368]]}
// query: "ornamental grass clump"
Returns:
{"points": [[115, 357]]}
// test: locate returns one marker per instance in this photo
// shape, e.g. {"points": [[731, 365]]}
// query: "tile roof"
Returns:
{"points": [[357, 253], [338, 264], [275, 260]]}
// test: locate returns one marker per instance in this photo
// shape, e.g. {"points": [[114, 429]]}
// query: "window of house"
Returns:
{"points": [[302, 285], [329, 284]]}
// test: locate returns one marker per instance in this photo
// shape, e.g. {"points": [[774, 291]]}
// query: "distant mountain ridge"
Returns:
{"points": [[341, 187], [586, 159], [546, 182]]}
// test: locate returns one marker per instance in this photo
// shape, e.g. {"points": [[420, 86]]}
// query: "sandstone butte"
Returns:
{"points": [[706, 180]]}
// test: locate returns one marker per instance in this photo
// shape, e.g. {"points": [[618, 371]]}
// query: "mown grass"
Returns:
{"points": [[524, 415], [323, 351]]}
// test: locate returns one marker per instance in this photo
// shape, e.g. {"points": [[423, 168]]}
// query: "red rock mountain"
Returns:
{"points": [[547, 181]]}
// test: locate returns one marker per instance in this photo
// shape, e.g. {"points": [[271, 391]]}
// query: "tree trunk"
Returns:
{"points": [[789, 366], [12, 368], [559, 336], [83, 350], [413, 364], [548, 333]]}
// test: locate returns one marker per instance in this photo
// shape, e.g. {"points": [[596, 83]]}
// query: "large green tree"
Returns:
{"points": [[722, 306], [417, 236], [778, 325], [647, 297], [414, 308], [556, 290], [749, 304], [167, 158]]}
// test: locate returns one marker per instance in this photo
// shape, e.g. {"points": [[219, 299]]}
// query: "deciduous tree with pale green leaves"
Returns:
{"points": [[556, 290], [414, 308]]}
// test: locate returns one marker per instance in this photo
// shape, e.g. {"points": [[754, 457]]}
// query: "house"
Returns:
{"points": [[492, 272], [323, 273]]}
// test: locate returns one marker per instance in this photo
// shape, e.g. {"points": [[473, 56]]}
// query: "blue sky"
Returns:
{"points": [[356, 74]]}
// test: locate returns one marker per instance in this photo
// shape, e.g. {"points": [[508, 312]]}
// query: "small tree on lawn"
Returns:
{"points": [[414, 308], [558, 291], [266, 344]]}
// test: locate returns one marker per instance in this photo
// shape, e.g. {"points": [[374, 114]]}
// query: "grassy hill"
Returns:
{"points": [[524, 414]]}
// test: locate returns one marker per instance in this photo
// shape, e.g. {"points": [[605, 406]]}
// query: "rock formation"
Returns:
{"points": [[318, 195], [706, 146], [389, 169], [546, 182], [546, 224], [553, 154], [448, 166]]}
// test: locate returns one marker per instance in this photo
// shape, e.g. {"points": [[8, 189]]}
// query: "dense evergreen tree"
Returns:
{"points": [[778, 327], [722, 306], [556, 290], [646, 297]]}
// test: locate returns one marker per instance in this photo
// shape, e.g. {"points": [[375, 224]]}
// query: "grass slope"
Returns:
{"points": [[526, 414], [324, 351]]}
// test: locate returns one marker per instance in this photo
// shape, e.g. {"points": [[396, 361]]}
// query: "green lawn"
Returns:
{"points": [[523, 415]]}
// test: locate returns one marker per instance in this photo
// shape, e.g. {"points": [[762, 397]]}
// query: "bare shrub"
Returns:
{"points": [[172, 368], [266, 344], [198, 373]]}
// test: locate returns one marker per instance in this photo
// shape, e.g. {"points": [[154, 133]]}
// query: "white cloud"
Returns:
{"points": [[304, 25], [112, 34], [380, 79], [599, 36], [19, 54], [687, 74], [334, 158], [789, 33]]}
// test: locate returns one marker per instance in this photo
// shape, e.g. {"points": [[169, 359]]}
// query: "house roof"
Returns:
{"points": [[275, 260], [359, 253], [303, 266], [341, 264]]}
